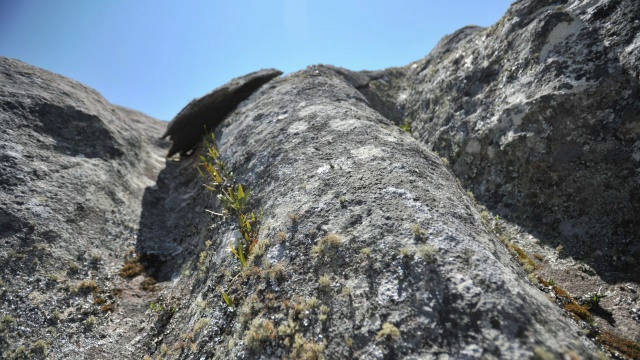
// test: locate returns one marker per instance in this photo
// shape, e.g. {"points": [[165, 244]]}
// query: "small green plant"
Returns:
{"points": [[551, 282], [407, 252], [235, 200], [156, 307], [313, 302], [406, 127], [329, 241], [228, 299]]}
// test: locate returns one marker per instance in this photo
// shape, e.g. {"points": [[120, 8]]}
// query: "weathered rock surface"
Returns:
{"points": [[206, 113], [73, 169], [539, 115], [526, 112]]}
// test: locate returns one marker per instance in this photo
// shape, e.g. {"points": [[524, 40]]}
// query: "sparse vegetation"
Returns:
{"points": [[331, 240], [407, 252], [148, 284], [40, 348], [615, 342], [234, 199], [579, 311]]}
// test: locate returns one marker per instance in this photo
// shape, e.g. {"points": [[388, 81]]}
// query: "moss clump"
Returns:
{"points": [[201, 324], [579, 311], [542, 353], [366, 252], [40, 348], [614, 342], [561, 292], [542, 281], [261, 330], [388, 331], [305, 349], [108, 307], [87, 286], [324, 313], [131, 269], [148, 284], [333, 241], [324, 281], [427, 252]]}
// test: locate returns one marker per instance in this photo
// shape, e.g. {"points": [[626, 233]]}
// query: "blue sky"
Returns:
{"points": [[156, 56]]}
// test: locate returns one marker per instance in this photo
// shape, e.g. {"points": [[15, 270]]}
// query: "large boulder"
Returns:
{"points": [[327, 170], [206, 113]]}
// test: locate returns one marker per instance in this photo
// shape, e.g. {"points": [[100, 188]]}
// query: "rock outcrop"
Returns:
{"points": [[371, 244], [538, 116], [73, 169], [206, 113]]}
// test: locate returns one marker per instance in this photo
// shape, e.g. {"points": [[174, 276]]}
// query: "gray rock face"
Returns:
{"points": [[73, 169], [374, 249], [206, 113], [301, 147], [539, 116]]}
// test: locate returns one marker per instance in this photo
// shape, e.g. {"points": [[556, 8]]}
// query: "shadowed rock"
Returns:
{"points": [[187, 128]]}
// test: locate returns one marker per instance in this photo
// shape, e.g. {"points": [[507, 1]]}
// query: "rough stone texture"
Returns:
{"points": [[537, 115], [300, 156], [206, 113], [73, 169]]}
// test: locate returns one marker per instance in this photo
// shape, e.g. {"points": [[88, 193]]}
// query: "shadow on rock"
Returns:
{"points": [[169, 233]]}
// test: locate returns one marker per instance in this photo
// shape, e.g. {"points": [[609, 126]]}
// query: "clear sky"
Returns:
{"points": [[155, 56]]}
